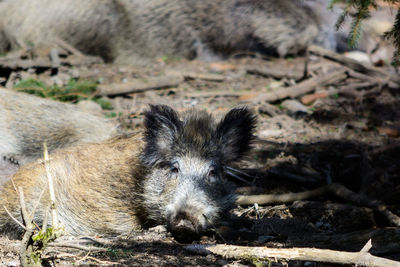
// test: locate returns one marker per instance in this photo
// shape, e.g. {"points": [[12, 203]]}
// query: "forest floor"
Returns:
{"points": [[340, 126]]}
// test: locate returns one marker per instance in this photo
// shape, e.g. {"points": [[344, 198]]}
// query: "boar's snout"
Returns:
{"points": [[184, 226], [187, 223]]}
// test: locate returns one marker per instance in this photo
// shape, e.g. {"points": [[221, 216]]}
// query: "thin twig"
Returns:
{"points": [[63, 255], [279, 198], [303, 87], [25, 217], [37, 202], [80, 247], [51, 187], [237, 177], [12, 217]]}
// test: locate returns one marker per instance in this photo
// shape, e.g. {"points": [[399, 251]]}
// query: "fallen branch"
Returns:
{"points": [[190, 75], [275, 73], [204, 76], [214, 94], [336, 189], [139, 85], [279, 198], [350, 90], [303, 87], [78, 247], [348, 195], [62, 256], [17, 64], [386, 240], [361, 258], [352, 64]]}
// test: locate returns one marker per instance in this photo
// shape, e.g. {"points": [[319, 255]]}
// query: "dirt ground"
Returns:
{"points": [[351, 139]]}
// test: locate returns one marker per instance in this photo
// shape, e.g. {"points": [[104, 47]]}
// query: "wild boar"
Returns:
{"points": [[172, 174], [27, 121], [133, 31]]}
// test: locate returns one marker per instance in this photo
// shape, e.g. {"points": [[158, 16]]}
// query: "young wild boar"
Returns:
{"points": [[173, 174], [27, 121], [132, 31]]}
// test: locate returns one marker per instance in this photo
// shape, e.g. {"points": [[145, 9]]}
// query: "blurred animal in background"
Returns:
{"points": [[134, 31], [27, 121]]}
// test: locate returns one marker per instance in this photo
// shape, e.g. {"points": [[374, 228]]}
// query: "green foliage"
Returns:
{"points": [[359, 10], [73, 91], [113, 114], [103, 103], [38, 244], [44, 237], [334, 96], [170, 59], [257, 262]]}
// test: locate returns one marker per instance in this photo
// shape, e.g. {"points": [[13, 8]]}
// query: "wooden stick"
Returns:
{"points": [[353, 64], [204, 76], [216, 94], [275, 73], [279, 198], [12, 217], [24, 252], [303, 87], [362, 200], [139, 85], [14, 64], [53, 209], [361, 258], [337, 189]]}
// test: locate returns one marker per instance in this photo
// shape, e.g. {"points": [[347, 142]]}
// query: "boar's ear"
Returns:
{"points": [[235, 133], [162, 127]]}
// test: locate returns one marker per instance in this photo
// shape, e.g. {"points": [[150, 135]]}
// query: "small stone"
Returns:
{"points": [[159, 229], [294, 107], [359, 56]]}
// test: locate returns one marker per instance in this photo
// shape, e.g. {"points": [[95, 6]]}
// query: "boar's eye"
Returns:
{"points": [[174, 169], [212, 176]]}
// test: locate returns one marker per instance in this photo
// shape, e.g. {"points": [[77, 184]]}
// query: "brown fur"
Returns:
{"points": [[135, 30], [82, 179], [161, 176]]}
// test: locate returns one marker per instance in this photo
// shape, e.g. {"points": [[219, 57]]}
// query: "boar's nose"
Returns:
{"points": [[183, 226]]}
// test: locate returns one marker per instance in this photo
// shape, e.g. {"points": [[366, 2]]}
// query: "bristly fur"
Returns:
{"points": [[163, 127], [135, 31], [235, 133], [197, 133], [172, 175]]}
